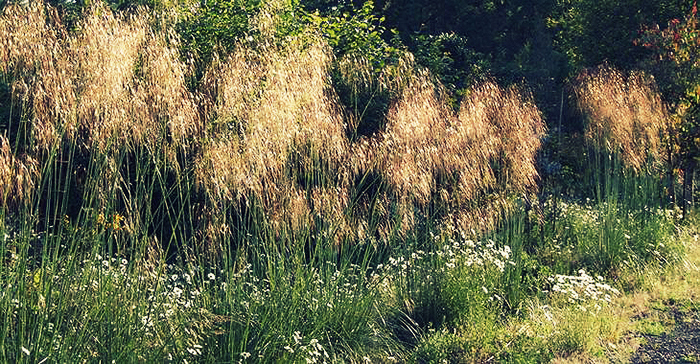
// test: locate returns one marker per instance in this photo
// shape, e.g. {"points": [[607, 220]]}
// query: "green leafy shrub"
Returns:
{"points": [[216, 26], [449, 57], [351, 30], [366, 70]]}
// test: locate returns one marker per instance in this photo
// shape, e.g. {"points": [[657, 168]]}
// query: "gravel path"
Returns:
{"points": [[682, 345]]}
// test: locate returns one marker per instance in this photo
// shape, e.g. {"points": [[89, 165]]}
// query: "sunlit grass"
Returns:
{"points": [[254, 219]]}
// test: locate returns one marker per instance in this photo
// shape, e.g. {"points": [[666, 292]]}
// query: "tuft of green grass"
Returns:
{"points": [[655, 328]]}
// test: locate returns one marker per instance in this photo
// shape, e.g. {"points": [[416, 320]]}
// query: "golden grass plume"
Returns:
{"points": [[18, 176], [625, 114], [267, 123], [427, 152], [78, 82], [266, 107]]}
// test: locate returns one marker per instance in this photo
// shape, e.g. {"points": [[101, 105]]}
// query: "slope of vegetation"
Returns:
{"points": [[259, 181]]}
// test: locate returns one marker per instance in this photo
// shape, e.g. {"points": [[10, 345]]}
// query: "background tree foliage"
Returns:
{"points": [[592, 32], [676, 59]]}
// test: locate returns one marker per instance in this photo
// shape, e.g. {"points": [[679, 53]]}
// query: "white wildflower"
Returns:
{"points": [[505, 252]]}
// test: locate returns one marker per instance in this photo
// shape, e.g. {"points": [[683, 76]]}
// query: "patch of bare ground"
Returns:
{"points": [[679, 345], [666, 320]]}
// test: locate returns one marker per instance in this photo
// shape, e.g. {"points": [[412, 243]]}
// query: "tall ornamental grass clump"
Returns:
{"points": [[625, 123], [289, 189], [99, 122], [279, 140], [103, 163], [623, 222]]}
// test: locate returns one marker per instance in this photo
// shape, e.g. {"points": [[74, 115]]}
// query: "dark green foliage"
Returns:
{"points": [[498, 29], [11, 124], [72, 11], [354, 30], [675, 51], [367, 105], [216, 26], [450, 58], [125, 5], [591, 32], [461, 42]]}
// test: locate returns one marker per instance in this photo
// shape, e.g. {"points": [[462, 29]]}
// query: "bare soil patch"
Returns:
{"points": [[682, 345]]}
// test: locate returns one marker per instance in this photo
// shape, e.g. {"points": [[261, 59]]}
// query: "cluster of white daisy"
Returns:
{"points": [[582, 288]]}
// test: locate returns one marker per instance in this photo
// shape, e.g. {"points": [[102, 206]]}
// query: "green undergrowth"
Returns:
{"points": [[454, 296], [664, 296], [564, 301]]}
